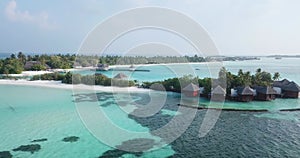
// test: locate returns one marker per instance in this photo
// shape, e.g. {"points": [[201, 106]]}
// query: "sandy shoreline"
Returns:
{"points": [[59, 85], [32, 73]]}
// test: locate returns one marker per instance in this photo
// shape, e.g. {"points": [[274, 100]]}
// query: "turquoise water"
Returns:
{"points": [[287, 67], [28, 113]]}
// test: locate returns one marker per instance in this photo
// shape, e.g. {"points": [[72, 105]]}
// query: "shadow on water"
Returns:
{"points": [[70, 139], [106, 99], [28, 148], [5, 154], [235, 134], [140, 100], [39, 140], [134, 145]]}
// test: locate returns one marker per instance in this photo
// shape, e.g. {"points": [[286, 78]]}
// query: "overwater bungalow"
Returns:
{"points": [[264, 93], [278, 85], [121, 76], [191, 90], [286, 89], [218, 94], [244, 94], [291, 90]]}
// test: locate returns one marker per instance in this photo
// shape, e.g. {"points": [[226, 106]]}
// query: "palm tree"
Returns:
{"points": [[276, 76], [258, 76], [240, 73], [258, 70], [21, 57], [247, 78]]}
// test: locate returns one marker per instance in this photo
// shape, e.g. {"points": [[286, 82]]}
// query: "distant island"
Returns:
{"points": [[284, 56], [16, 63]]}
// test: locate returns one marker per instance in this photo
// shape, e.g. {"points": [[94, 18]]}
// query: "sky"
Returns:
{"points": [[237, 27]]}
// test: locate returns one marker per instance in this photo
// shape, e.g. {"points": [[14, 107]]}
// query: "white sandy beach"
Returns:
{"points": [[30, 73], [59, 85]]}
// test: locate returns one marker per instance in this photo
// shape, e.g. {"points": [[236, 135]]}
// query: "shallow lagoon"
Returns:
{"points": [[30, 113], [51, 113], [287, 67]]}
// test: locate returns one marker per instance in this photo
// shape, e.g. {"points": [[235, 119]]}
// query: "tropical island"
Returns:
{"points": [[241, 87], [16, 63]]}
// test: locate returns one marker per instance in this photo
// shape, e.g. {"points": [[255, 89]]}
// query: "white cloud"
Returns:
{"points": [[15, 15]]}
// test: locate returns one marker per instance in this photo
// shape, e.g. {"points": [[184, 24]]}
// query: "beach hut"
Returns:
{"points": [[191, 90], [218, 94], [121, 76], [244, 94], [264, 93], [286, 89]]}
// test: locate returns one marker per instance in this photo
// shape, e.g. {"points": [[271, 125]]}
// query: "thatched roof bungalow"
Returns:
{"points": [[218, 94], [264, 93], [281, 83], [121, 76], [286, 89], [244, 94], [191, 90]]}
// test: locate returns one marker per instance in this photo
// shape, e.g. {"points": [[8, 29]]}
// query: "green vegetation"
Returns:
{"points": [[15, 64], [127, 60], [11, 66], [173, 84], [51, 76], [97, 79], [226, 80], [260, 78]]}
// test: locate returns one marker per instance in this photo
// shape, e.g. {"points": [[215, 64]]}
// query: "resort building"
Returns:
{"points": [[286, 89], [291, 90], [191, 90], [29, 65], [243, 94], [102, 67], [121, 76], [264, 93], [218, 94], [131, 68]]}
